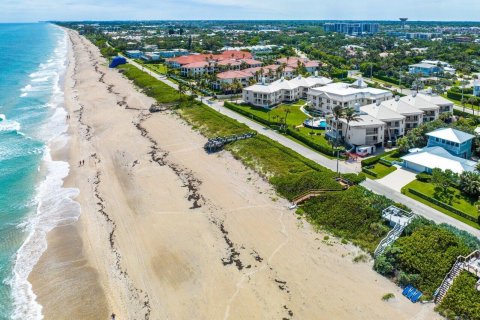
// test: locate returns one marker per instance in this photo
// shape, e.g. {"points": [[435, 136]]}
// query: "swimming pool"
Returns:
{"points": [[315, 123]]}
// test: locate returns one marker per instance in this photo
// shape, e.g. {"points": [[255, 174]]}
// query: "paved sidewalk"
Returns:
{"points": [[375, 186]]}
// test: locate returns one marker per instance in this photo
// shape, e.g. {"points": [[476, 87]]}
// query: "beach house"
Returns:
{"points": [[424, 69], [427, 159], [445, 106], [456, 142], [366, 130], [394, 122], [413, 116], [268, 95], [325, 98]]}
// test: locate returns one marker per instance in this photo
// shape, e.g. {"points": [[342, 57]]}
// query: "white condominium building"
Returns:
{"points": [[345, 95], [268, 95], [366, 130], [413, 115], [394, 122]]}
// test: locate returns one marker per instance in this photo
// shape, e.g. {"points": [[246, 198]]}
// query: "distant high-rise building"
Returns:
{"points": [[352, 28]]}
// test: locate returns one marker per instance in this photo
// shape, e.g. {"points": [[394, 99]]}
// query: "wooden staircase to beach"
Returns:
{"points": [[448, 281], [390, 238], [307, 195], [471, 263]]}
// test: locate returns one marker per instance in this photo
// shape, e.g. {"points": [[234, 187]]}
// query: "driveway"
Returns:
{"points": [[398, 179]]}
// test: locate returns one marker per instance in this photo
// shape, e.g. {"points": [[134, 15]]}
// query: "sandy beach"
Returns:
{"points": [[168, 231]]}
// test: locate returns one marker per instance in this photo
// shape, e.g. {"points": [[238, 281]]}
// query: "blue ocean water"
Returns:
{"points": [[33, 60]]}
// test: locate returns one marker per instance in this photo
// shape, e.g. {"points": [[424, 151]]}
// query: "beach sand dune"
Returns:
{"points": [[170, 232]]}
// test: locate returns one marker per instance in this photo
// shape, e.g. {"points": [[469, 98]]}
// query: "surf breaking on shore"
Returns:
{"points": [[54, 204]]}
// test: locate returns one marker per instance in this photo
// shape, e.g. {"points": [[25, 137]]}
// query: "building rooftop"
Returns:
{"points": [[346, 89], [435, 99], [199, 64], [382, 113], [234, 74], [401, 107], [423, 65], [452, 135], [365, 120], [419, 103], [437, 157], [294, 83]]}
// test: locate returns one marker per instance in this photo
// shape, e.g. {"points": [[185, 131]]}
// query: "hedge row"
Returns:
{"points": [[233, 107], [459, 90], [458, 96], [373, 160], [443, 205], [387, 79], [370, 172], [462, 114], [385, 162], [320, 148]]}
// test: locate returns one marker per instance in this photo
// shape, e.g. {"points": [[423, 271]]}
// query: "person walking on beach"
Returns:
{"points": [[113, 316]]}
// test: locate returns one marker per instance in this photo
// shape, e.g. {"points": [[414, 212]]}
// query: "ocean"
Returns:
{"points": [[33, 60]]}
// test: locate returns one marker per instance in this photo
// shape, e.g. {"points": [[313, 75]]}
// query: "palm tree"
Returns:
{"points": [[472, 101], [181, 88], [350, 114], [287, 112], [338, 112]]}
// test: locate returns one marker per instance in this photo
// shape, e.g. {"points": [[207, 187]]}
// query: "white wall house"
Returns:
{"points": [[444, 105], [366, 131], [394, 122], [346, 95], [413, 116], [430, 110], [268, 95]]}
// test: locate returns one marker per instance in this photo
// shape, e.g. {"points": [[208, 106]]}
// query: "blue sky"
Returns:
{"points": [[35, 10]]}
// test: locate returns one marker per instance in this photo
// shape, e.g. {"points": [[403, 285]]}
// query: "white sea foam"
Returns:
{"points": [[55, 204], [8, 125]]}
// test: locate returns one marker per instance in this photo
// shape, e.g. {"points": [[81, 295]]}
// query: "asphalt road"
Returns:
{"points": [[417, 207]]}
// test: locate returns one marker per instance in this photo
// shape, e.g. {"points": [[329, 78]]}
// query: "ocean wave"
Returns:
{"points": [[55, 206], [8, 125]]}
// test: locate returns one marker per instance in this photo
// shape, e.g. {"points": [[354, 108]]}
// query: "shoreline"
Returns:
{"points": [[168, 231], [54, 202]]}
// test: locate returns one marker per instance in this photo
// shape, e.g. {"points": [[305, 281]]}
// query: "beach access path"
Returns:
{"points": [[417, 207]]}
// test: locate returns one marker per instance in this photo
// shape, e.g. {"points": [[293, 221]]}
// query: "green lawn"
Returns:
{"points": [[381, 170], [160, 68], [295, 117], [460, 202]]}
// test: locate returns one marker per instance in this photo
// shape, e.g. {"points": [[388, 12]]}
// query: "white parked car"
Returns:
{"points": [[364, 151]]}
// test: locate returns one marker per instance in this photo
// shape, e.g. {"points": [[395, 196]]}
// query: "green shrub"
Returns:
{"points": [[373, 160], [290, 186], [350, 214], [354, 178], [388, 296], [360, 258], [462, 300], [424, 177], [370, 172], [425, 257], [385, 162]]}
